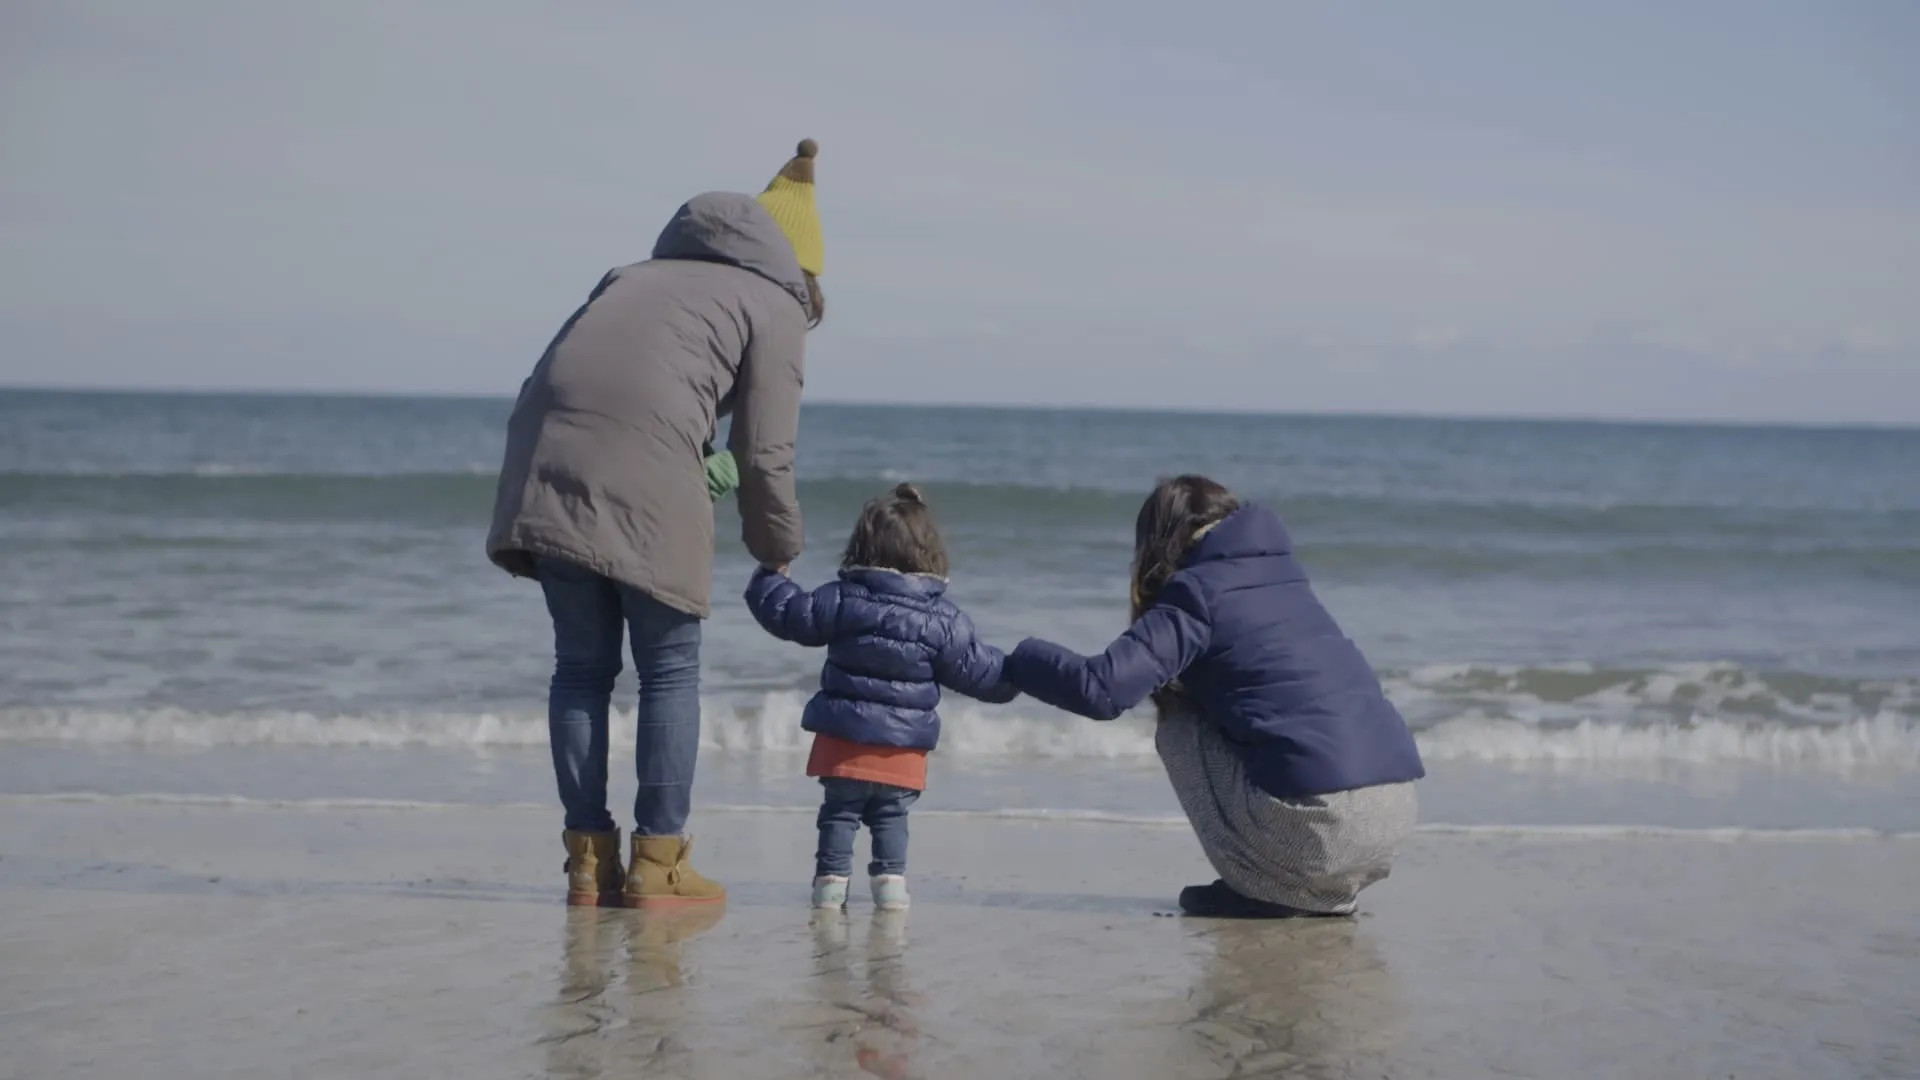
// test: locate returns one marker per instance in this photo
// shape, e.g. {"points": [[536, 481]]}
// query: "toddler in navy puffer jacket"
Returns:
{"points": [[892, 640]]}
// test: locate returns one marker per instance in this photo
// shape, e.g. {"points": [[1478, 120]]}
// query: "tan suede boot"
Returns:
{"points": [[661, 877], [593, 868]]}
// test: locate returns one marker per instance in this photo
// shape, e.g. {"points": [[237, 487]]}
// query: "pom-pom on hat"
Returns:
{"points": [[789, 199]]}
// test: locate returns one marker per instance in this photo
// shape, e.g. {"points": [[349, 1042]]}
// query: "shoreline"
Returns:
{"points": [[1515, 831]]}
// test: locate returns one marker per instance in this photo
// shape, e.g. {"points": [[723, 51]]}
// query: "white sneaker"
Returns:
{"points": [[890, 892], [829, 893]]}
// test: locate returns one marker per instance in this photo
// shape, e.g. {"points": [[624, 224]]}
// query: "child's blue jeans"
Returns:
{"points": [[847, 805]]}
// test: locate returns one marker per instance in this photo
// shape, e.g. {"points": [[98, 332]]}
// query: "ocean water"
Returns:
{"points": [[1590, 625]]}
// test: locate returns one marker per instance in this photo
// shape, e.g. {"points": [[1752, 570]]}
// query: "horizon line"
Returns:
{"points": [[1598, 419]]}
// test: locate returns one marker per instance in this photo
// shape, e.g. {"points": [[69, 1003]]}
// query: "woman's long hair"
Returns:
{"points": [[1169, 522], [816, 300]]}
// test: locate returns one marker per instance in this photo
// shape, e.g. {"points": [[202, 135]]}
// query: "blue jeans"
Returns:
{"points": [[847, 805], [590, 613]]}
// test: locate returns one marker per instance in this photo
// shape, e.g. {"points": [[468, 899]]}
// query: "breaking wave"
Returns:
{"points": [[1562, 716]]}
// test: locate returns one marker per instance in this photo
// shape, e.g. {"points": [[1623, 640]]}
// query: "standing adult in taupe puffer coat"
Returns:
{"points": [[604, 499]]}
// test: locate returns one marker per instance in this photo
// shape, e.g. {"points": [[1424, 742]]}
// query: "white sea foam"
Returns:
{"points": [[1880, 742], [1885, 740], [1570, 693]]}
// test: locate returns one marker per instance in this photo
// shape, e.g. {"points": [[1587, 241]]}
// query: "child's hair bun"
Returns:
{"points": [[909, 493]]}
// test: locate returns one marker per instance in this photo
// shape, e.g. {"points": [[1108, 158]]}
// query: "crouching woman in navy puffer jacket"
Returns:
{"points": [[892, 640], [1292, 765]]}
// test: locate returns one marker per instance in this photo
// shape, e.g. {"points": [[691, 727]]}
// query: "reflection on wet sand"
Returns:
{"points": [[1297, 999], [1294, 998], [1033, 953], [860, 1010], [604, 1024]]}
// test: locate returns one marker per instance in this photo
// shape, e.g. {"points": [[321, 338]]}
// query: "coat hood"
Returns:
{"points": [[895, 582], [1249, 532], [734, 229]]}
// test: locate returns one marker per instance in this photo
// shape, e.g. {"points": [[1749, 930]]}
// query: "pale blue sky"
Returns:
{"points": [[1621, 209]]}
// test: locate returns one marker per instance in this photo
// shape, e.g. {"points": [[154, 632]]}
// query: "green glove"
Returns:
{"points": [[723, 474]]}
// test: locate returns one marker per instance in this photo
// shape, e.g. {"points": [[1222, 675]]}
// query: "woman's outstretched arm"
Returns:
{"points": [[1152, 653]]}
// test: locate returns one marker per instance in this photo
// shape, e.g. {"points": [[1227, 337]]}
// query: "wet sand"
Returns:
{"points": [[153, 940]]}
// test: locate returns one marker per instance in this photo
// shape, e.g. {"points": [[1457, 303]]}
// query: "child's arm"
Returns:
{"points": [[972, 667], [1152, 653], [789, 612]]}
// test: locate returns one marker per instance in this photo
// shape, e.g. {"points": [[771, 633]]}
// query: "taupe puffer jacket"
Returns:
{"points": [[603, 464]]}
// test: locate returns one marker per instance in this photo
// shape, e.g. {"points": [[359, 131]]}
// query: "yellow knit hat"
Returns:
{"points": [[789, 199]]}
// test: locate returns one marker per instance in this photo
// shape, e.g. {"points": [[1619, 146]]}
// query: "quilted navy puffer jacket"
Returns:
{"points": [[892, 640], [1241, 630]]}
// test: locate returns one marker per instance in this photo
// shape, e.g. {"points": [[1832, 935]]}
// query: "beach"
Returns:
{"points": [[275, 797], [1515, 417], [184, 938]]}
